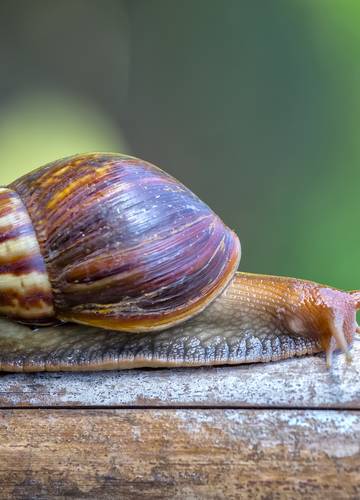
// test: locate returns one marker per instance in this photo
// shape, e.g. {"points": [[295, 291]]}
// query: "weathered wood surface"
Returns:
{"points": [[179, 454], [295, 383]]}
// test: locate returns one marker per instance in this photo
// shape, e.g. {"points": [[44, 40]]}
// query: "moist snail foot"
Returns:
{"points": [[73, 347]]}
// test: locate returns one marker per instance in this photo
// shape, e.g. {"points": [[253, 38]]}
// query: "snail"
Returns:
{"points": [[134, 270]]}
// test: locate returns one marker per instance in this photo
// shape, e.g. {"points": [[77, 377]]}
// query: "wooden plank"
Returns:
{"points": [[295, 383], [179, 454]]}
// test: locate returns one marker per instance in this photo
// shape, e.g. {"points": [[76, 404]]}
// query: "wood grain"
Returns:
{"points": [[179, 454], [295, 383]]}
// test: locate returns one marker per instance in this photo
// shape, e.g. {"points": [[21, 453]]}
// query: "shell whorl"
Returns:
{"points": [[25, 291], [126, 245]]}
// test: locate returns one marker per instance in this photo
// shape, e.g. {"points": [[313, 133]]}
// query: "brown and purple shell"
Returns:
{"points": [[111, 241]]}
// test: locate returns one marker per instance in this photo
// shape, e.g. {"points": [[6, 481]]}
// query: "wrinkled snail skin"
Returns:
{"points": [[114, 243]]}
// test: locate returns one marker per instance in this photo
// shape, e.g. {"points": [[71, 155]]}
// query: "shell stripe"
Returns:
{"points": [[7, 217], [25, 290], [19, 247], [140, 322], [145, 257], [10, 234], [29, 306], [21, 266]]}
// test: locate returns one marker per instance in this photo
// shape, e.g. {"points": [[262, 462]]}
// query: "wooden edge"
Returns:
{"points": [[179, 454]]}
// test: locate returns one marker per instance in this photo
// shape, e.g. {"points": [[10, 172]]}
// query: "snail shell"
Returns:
{"points": [[111, 241]]}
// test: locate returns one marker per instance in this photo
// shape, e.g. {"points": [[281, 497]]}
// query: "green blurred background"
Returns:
{"points": [[255, 105]]}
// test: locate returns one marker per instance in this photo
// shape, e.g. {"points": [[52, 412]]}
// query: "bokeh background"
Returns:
{"points": [[255, 105]]}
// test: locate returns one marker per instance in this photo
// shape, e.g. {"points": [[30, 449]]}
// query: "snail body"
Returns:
{"points": [[113, 242]]}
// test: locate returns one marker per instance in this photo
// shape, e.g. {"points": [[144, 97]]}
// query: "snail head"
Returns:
{"points": [[332, 314]]}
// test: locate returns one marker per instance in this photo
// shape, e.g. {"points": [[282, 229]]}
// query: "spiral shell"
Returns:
{"points": [[125, 245]]}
